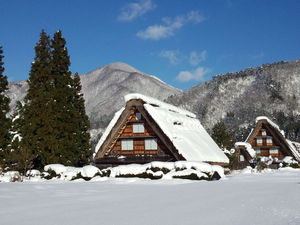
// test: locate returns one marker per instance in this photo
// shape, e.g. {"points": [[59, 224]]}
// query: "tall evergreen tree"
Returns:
{"points": [[5, 122], [71, 120], [37, 131], [17, 158], [63, 101], [54, 126], [82, 125]]}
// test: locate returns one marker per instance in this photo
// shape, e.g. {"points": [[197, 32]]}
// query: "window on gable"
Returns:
{"points": [[263, 133], [138, 128], [138, 116], [269, 141], [151, 144], [127, 144], [274, 151], [242, 158], [259, 141]]}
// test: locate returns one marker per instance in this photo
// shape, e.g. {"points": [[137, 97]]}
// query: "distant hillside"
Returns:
{"points": [[104, 89], [238, 98]]}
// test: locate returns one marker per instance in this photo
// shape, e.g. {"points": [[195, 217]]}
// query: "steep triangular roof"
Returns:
{"points": [[285, 144], [250, 151], [181, 128]]}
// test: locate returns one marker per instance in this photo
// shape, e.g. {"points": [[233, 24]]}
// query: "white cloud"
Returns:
{"points": [[171, 55], [155, 32], [197, 75], [135, 9], [197, 57], [170, 26], [257, 56]]}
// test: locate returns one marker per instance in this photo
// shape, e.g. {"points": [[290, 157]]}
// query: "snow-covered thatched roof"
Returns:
{"points": [[274, 125], [294, 149], [181, 127], [247, 146]]}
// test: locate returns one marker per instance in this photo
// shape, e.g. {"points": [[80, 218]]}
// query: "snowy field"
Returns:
{"points": [[242, 199]]}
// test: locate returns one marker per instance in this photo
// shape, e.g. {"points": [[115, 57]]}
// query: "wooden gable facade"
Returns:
{"points": [[243, 158], [135, 138], [267, 140]]}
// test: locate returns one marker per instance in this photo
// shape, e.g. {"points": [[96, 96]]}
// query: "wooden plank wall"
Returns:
{"points": [[138, 139], [265, 147]]}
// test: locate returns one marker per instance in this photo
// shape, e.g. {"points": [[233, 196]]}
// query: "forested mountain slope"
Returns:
{"points": [[238, 98]]}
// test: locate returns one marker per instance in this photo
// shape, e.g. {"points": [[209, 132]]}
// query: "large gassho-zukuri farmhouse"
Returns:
{"points": [[147, 130]]}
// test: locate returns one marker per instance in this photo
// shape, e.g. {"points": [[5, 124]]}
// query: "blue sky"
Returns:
{"points": [[181, 42]]}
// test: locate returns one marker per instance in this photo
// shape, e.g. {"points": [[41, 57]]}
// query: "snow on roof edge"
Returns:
{"points": [[293, 150], [108, 129], [270, 122], [247, 146], [153, 101], [249, 134]]}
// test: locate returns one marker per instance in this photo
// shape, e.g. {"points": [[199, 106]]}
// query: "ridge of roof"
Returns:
{"points": [[271, 123], [158, 103]]}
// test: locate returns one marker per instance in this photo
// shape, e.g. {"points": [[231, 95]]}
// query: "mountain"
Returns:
{"points": [[238, 98], [104, 90]]}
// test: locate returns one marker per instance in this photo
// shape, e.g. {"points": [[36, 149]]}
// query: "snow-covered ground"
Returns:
{"points": [[260, 198]]}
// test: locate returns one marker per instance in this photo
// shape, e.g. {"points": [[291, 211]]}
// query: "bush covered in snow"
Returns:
{"points": [[71, 173], [145, 175], [191, 176], [33, 173], [288, 161], [11, 176], [153, 170], [169, 170], [273, 162]]}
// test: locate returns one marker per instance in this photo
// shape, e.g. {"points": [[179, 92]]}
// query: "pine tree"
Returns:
{"points": [[54, 126], [71, 120], [17, 158], [221, 136], [5, 122], [38, 139], [82, 125], [63, 100]]}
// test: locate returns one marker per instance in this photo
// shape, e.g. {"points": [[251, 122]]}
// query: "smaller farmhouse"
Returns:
{"points": [[245, 154], [267, 140], [147, 130]]}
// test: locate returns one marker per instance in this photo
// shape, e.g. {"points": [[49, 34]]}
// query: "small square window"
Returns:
{"points": [[127, 144], [138, 128], [274, 151], [258, 151], [269, 141], [138, 116], [263, 133], [259, 141], [151, 144], [242, 158]]}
